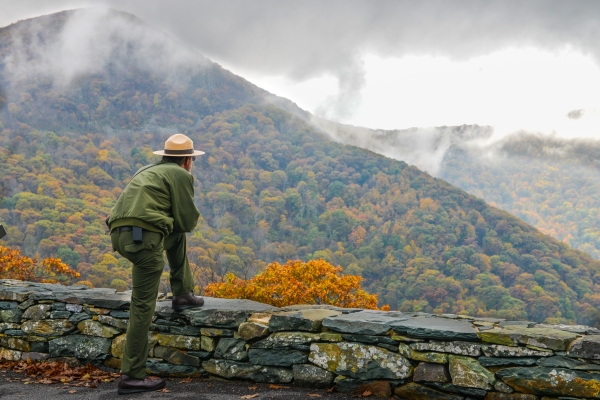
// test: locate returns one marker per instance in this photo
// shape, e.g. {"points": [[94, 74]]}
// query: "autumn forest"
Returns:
{"points": [[271, 188]]}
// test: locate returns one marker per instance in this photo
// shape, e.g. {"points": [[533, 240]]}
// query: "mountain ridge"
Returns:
{"points": [[271, 186]]}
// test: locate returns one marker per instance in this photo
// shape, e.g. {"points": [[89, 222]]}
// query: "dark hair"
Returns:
{"points": [[177, 160]]}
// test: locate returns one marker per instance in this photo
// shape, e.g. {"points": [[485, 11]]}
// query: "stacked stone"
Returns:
{"points": [[413, 355]]}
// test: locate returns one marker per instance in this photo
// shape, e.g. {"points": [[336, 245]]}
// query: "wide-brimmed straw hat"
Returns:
{"points": [[179, 146]]}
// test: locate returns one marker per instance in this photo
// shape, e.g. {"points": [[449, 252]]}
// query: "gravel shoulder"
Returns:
{"points": [[12, 388]]}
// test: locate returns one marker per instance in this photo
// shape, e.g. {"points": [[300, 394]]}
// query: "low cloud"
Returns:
{"points": [[575, 114], [580, 113], [312, 38], [89, 42], [425, 148]]}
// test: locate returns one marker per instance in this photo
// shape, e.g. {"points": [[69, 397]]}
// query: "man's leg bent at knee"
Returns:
{"points": [[182, 282], [181, 276]]}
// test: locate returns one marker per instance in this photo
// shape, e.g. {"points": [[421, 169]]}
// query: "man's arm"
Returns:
{"points": [[185, 213]]}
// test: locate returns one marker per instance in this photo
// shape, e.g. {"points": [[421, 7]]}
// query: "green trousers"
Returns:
{"points": [[148, 265]]}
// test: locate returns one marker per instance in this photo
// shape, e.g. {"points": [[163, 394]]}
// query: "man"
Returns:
{"points": [[151, 216]]}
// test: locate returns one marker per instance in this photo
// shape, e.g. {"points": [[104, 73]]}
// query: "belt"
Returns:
{"points": [[125, 228]]}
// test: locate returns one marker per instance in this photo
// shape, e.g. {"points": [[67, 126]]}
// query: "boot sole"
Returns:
{"points": [[132, 391], [181, 308]]}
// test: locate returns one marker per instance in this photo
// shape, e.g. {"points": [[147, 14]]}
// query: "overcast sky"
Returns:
{"points": [[396, 64]]}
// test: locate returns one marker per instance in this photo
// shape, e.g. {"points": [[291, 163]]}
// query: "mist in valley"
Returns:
{"points": [[549, 181]]}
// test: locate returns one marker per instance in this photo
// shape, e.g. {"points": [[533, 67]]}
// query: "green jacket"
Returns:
{"points": [[159, 198]]}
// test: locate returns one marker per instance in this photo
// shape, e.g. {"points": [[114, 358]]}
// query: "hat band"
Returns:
{"points": [[187, 151]]}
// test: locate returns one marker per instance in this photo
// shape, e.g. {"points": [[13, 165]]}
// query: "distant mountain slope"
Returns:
{"points": [[76, 124], [549, 182]]}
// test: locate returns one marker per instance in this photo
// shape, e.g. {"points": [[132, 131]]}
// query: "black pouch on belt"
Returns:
{"points": [[137, 234]]}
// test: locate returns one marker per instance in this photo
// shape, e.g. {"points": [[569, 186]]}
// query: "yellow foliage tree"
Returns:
{"points": [[297, 282], [14, 265]]}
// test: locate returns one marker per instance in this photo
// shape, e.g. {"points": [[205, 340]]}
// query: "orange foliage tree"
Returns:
{"points": [[297, 282], [14, 265]]}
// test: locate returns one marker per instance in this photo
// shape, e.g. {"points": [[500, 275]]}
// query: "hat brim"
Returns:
{"points": [[162, 153]]}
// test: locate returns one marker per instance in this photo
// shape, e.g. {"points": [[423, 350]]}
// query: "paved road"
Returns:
{"points": [[199, 389]]}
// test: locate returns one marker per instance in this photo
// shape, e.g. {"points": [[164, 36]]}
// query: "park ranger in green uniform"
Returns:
{"points": [[151, 216]]}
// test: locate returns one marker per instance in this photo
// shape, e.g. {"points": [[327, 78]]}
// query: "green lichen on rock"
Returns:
{"points": [[330, 337], [544, 338], [499, 336], [179, 341], [15, 343], [359, 361], [511, 351], [175, 356], [37, 312], [468, 372], [80, 346], [408, 352], [4, 326], [312, 376], [48, 327], [117, 346], [11, 315], [231, 349], [118, 323], [509, 361], [459, 348], [97, 310], [95, 328], [438, 358], [585, 347], [60, 314], [207, 343], [9, 355], [552, 382], [288, 339]]}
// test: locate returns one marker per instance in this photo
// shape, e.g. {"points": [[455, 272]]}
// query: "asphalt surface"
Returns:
{"points": [[200, 389]]}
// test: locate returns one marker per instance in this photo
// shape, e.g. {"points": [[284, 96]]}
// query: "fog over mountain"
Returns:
{"points": [[90, 41], [299, 41]]}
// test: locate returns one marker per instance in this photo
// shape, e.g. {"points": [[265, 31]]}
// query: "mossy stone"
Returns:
{"points": [[95, 328], [252, 330], [359, 361], [48, 327], [552, 381], [468, 372]]}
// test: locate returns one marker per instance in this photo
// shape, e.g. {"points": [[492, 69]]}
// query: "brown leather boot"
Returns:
{"points": [[128, 385], [185, 301]]}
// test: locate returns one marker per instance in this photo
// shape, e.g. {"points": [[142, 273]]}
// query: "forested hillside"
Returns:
{"points": [[270, 188], [551, 183]]}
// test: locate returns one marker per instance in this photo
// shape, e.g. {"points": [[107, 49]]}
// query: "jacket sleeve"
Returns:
{"points": [[185, 213]]}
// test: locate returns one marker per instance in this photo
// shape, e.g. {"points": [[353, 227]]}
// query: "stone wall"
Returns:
{"points": [[416, 356]]}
